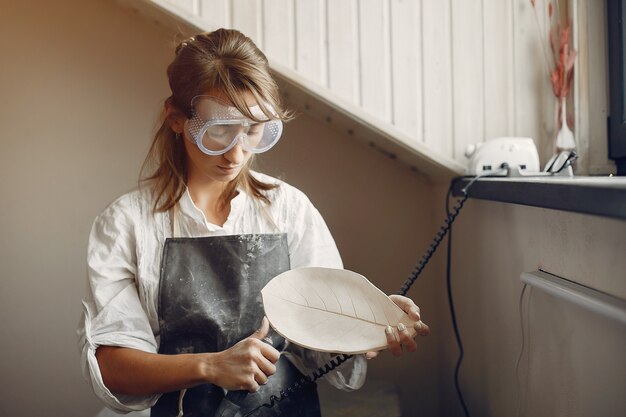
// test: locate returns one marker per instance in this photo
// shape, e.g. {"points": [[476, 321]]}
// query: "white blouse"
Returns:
{"points": [[124, 258]]}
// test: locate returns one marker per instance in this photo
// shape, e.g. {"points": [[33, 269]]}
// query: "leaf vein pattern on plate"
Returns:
{"points": [[373, 314], [352, 301], [326, 311], [335, 294], [306, 282], [297, 292]]}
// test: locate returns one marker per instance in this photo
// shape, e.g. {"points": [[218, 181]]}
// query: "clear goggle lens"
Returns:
{"points": [[216, 128]]}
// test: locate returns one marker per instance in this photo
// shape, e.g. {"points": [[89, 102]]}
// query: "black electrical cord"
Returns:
{"points": [[450, 216], [455, 326], [301, 383]]}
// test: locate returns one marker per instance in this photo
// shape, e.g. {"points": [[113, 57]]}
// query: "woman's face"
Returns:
{"points": [[222, 168]]}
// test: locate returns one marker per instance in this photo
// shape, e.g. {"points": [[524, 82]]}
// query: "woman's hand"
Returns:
{"points": [[399, 339], [245, 365]]}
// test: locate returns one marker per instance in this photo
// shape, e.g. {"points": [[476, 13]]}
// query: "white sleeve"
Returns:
{"points": [[112, 312], [310, 241], [311, 244]]}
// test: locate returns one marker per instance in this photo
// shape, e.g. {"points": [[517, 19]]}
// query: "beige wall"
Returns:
{"points": [[83, 83], [573, 362]]}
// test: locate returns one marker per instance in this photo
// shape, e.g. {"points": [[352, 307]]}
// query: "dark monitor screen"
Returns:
{"points": [[616, 15]]}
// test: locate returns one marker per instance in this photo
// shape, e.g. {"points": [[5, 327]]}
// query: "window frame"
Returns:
{"points": [[617, 119]]}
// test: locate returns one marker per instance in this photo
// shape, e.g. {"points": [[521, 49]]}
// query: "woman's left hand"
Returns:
{"points": [[399, 338]]}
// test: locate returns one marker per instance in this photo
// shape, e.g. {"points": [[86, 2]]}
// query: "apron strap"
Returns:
{"points": [[174, 221], [176, 233]]}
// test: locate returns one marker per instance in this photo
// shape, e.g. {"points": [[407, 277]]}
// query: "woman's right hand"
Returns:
{"points": [[247, 364]]}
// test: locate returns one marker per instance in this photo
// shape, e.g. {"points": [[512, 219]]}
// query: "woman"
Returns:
{"points": [[174, 317]]}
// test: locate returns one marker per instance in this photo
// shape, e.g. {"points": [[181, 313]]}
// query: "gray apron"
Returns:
{"points": [[210, 299]]}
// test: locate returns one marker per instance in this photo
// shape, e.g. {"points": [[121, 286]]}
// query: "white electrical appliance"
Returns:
{"points": [[519, 154]]}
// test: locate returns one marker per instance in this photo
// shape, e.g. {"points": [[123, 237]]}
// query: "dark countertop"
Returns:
{"points": [[602, 196]]}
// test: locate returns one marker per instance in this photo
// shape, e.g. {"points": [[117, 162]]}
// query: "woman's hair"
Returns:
{"points": [[224, 60]]}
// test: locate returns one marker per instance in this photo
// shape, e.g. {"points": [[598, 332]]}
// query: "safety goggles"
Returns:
{"points": [[216, 127]]}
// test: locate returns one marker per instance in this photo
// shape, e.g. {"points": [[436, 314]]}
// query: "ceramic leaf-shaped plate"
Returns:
{"points": [[331, 310]]}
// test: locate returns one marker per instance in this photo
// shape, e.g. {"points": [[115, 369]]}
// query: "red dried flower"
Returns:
{"points": [[561, 67], [549, 9]]}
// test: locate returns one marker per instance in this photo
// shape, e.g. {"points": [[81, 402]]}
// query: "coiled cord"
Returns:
{"points": [[301, 383], [443, 231]]}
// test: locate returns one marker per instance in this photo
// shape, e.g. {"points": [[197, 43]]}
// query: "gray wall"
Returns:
{"points": [[83, 84], [573, 359]]}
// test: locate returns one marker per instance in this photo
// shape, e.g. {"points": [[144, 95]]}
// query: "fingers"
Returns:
{"points": [[249, 363], [392, 342], [402, 338], [413, 311], [263, 370], [407, 305], [406, 339], [253, 385], [371, 355], [266, 367], [264, 362], [399, 340], [247, 378], [258, 373], [422, 328], [269, 352], [260, 379], [262, 331]]}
